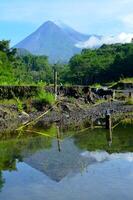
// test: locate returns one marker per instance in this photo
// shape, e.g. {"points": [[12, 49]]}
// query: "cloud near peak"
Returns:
{"points": [[94, 41]]}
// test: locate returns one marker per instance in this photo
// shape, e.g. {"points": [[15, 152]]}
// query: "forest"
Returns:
{"points": [[106, 64]]}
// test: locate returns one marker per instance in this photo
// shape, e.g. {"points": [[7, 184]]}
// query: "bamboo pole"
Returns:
{"points": [[37, 118]]}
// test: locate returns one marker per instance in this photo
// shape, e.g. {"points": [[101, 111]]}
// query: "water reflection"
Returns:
{"points": [[58, 139], [59, 156], [57, 165], [2, 181], [120, 140], [15, 146], [109, 137]]}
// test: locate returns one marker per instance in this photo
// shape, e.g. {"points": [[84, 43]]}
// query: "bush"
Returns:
{"points": [[45, 97]]}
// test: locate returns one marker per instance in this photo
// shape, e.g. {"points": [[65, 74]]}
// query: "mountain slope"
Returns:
{"points": [[58, 42], [74, 35]]}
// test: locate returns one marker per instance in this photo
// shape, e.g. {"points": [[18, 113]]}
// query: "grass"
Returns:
{"points": [[8, 102], [121, 81], [45, 97], [100, 101], [67, 85], [96, 85], [15, 84], [127, 121], [129, 101], [71, 99], [16, 101], [42, 97], [19, 105], [126, 80], [111, 84]]}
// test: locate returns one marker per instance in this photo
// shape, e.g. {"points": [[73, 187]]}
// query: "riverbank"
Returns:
{"points": [[76, 106], [67, 112]]}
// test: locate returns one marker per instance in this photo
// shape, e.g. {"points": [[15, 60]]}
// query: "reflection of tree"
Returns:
{"points": [[2, 181], [98, 139], [124, 137], [14, 149], [92, 140]]}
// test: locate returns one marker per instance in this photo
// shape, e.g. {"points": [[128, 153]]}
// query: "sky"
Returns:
{"points": [[19, 18]]}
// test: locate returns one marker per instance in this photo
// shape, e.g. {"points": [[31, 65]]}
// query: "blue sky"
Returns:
{"points": [[19, 18]]}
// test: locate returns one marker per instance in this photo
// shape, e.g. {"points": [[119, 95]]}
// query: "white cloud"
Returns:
{"points": [[96, 42], [101, 156]]}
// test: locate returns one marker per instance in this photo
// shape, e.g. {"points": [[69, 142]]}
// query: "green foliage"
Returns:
{"points": [[129, 101], [106, 64], [16, 145], [45, 97], [126, 80], [22, 70], [20, 105], [127, 121], [98, 139], [8, 101], [96, 85]]}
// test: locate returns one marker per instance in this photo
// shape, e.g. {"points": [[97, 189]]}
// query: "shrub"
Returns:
{"points": [[45, 97]]}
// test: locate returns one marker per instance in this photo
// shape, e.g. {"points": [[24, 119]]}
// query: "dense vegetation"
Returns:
{"points": [[108, 63], [26, 69]]}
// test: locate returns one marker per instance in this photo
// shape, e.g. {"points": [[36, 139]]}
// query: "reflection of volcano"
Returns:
{"points": [[58, 165]]}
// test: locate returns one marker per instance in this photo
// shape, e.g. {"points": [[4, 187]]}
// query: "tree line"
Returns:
{"points": [[106, 64], [16, 69]]}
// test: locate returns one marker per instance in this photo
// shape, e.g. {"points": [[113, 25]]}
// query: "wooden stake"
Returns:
{"points": [[55, 83], [130, 95]]}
